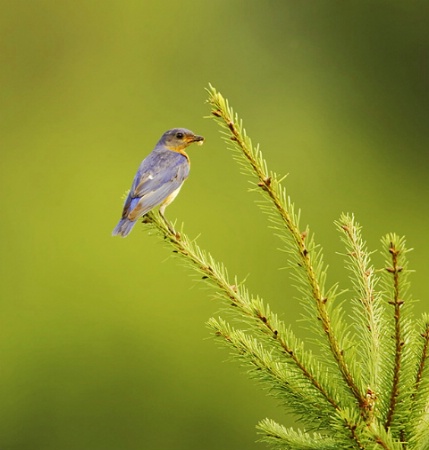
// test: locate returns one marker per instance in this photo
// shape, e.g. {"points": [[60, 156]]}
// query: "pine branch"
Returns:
{"points": [[397, 303], [350, 432], [313, 374], [306, 259], [418, 425], [282, 380], [403, 358], [424, 355], [283, 438], [367, 307]]}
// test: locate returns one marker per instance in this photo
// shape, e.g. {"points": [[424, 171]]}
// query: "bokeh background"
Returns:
{"points": [[103, 343]]}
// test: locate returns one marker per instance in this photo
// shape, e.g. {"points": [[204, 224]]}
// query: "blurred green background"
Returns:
{"points": [[103, 340]]}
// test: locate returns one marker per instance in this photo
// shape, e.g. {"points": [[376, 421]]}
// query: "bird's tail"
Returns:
{"points": [[123, 228]]}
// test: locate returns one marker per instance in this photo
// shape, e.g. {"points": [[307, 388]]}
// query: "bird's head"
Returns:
{"points": [[178, 139]]}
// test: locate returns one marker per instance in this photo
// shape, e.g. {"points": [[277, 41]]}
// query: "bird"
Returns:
{"points": [[159, 179]]}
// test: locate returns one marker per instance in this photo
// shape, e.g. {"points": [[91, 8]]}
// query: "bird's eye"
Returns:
{"points": [[179, 135]]}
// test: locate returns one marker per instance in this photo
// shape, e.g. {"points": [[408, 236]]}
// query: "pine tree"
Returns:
{"points": [[366, 396]]}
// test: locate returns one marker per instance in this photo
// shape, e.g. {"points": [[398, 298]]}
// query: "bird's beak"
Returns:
{"points": [[198, 139]]}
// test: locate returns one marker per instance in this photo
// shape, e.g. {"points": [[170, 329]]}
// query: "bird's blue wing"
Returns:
{"points": [[158, 176]]}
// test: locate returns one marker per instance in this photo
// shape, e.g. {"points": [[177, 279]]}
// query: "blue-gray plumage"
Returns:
{"points": [[158, 179]]}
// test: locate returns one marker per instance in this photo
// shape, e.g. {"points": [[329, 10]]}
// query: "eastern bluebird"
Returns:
{"points": [[158, 179]]}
